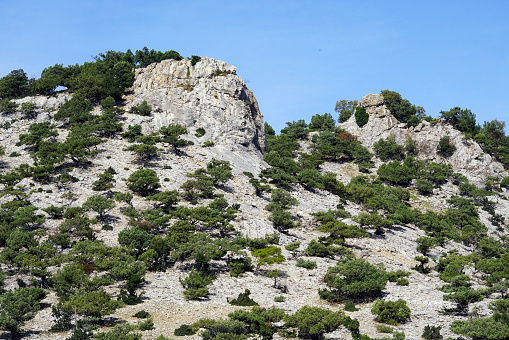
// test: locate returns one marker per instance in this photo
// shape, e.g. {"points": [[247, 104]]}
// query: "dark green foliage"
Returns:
{"points": [[393, 276], [184, 330], [99, 204], [7, 106], [481, 328], [388, 149], [384, 329], [195, 285], [37, 133], [284, 144], [29, 109], [342, 147], [361, 116], [171, 134], [395, 173], [128, 295], [445, 147], [345, 108], [460, 292], [136, 238], [400, 108], [318, 249], [76, 110], [200, 132], [19, 306], [425, 187], [306, 264], [105, 181], [391, 312], [133, 132], [313, 322], [322, 122], [432, 333], [195, 59], [462, 120], [14, 85], [143, 181], [296, 129], [353, 279], [244, 300], [421, 266], [142, 109], [281, 202], [350, 307]]}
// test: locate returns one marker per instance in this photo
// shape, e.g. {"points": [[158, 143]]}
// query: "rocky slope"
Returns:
{"points": [[211, 96]]}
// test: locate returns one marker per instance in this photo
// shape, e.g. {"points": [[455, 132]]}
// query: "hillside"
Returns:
{"points": [[222, 200]]}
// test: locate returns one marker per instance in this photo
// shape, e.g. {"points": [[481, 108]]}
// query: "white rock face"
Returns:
{"points": [[208, 95], [468, 159]]}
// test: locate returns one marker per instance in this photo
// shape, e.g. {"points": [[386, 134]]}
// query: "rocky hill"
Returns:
{"points": [[222, 119]]}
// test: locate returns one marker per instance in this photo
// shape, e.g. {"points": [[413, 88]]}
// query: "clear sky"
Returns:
{"points": [[299, 57]]}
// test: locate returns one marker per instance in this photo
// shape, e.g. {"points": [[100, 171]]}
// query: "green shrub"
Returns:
{"points": [[384, 329], [432, 333], [350, 306], [142, 109], [146, 325], [444, 147], [425, 187], [389, 149], [244, 300], [195, 285], [361, 116], [107, 227], [195, 59], [143, 181], [353, 279], [280, 298], [306, 264], [393, 276], [313, 322], [402, 281], [184, 330], [318, 249], [391, 312], [142, 314], [200, 132], [208, 144]]}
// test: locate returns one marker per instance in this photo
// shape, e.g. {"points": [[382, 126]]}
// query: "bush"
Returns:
{"points": [[143, 181], [200, 132], [432, 333], [384, 329], [142, 314], [391, 312], [389, 149], [306, 264], [361, 116], [444, 147], [313, 322], [142, 109], [425, 187], [184, 330], [353, 279], [318, 249], [350, 307], [244, 300], [280, 298]]}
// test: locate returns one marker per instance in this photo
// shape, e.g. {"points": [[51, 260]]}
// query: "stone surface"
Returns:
{"points": [[216, 101]]}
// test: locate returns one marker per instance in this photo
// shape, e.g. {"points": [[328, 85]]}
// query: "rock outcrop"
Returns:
{"points": [[469, 159], [208, 95]]}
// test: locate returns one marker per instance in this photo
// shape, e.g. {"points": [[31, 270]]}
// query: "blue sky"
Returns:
{"points": [[299, 57]]}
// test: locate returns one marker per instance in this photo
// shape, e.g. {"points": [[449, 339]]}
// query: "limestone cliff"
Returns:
{"points": [[468, 159], [208, 95]]}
